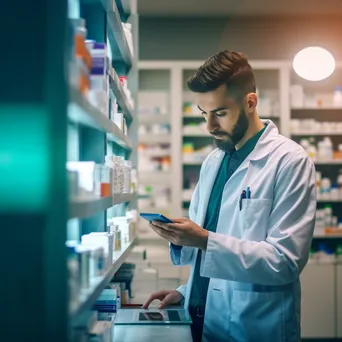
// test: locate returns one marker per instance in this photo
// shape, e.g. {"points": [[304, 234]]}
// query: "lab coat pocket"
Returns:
{"points": [[254, 218], [257, 316]]}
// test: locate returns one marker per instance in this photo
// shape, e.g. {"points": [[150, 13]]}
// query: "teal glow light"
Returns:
{"points": [[24, 158]]}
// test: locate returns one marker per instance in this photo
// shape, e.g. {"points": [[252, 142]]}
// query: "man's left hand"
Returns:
{"points": [[182, 232]]}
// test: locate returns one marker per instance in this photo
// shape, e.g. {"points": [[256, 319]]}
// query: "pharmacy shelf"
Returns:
{"points": [[329, 200], [193, 116], [116, 35], [200, 116], [317, 109], [119, 137], [327, 236], [82, 209], [152, 119], [116, 87], [124, 6], [329, 162], [197, 135], [315, 133], [88, 208], [122, 198], [89, 296], [155, 139], [154, 177], [194, 163], [81, 111]]}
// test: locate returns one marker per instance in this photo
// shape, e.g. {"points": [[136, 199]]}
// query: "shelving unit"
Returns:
{"points": [[82, 209], [155, 139], [41, 129], [89, 296], [120, 49], [116, 87]]}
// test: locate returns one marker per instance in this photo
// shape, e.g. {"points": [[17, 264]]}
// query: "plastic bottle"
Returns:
{"points": [[337, 98], [339, 183], [312, 152], [328, 215], [329, 148], [325, 188], [335, 192]]}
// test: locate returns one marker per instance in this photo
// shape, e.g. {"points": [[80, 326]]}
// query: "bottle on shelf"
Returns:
{"points": [[339, 183], [325, 188], [337, 98]]}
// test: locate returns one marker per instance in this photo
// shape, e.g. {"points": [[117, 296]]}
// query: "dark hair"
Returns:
{"points": [[231, 68]]}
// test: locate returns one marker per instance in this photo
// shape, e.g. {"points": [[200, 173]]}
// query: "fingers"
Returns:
{"points": [[157, 295], [180, 220], [165, 234], [166, 301], [161, 225]]}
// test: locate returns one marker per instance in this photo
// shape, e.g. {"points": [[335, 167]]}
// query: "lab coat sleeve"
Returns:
{"points": [[182, 289], [182, 255], [281, 257]]}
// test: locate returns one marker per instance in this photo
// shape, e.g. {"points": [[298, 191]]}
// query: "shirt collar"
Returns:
{"points": [[247, 147]]}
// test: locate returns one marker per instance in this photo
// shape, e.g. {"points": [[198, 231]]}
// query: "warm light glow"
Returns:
{"points": [[314, 63]]}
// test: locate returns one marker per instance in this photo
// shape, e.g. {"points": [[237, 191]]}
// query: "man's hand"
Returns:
{"points": [[166, 298], [182, 232]]}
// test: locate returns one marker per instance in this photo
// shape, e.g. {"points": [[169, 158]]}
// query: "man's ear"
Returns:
{"points": [[251, 101]]}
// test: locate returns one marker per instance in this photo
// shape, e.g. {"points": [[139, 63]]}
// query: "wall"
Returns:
{"points": [[260, 38]]}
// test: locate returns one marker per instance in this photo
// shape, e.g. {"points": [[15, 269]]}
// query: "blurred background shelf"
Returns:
{"points": [[154, 118], [155, 177], [328, 162], [193, 163], [155, 139], [328, 236], [315, 133]]}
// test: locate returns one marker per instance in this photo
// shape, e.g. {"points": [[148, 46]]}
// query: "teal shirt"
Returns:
{"points": [[229, 165]]}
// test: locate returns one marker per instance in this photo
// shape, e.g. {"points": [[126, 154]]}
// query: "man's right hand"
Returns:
{"points": [[166, 298]]}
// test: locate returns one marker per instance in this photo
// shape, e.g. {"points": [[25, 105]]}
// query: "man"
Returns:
{"points": [[251, 217]]}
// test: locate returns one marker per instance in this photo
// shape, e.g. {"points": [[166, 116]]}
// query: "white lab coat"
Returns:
{"points": [[256, 255]]}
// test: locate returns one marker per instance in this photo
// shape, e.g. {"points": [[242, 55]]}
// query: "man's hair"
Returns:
{"points": [[225, 67]]}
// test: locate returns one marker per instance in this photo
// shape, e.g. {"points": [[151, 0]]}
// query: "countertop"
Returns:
{"points": [[152, 333]]}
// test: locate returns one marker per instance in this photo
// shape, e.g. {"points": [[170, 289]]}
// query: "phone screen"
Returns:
{"points": [[151, 316]]}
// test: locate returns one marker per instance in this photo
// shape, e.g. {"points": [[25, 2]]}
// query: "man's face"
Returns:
{"points": [[226, 120]]}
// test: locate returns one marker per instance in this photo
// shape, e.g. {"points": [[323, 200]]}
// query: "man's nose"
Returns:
{"points": [[212, 124]]}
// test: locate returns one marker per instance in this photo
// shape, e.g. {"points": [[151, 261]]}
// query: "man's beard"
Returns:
{"points": [[238, 132]]}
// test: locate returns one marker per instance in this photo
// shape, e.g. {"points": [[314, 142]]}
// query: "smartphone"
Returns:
{"points": [[155, 217]]}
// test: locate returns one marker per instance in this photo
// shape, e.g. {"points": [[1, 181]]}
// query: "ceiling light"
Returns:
{"points": [[314, 63]]}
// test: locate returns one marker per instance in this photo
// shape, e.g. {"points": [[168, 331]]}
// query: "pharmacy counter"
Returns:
{"points": [[151, 333]]}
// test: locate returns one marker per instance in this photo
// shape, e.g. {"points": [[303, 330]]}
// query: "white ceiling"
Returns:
{"points": [[215, 8]]}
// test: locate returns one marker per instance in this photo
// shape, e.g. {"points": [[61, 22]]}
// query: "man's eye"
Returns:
{"points": [[221, 114]]}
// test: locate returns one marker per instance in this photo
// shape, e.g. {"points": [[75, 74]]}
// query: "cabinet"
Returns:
{"points": [[317, 310], [339, 300]]}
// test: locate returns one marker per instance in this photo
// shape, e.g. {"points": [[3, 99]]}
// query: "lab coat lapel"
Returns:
{"points": [[261, 150], [209, 179]]}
